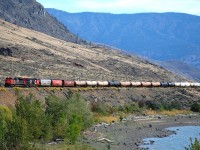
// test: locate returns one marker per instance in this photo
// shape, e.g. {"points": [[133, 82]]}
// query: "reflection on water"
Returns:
{"points": [[177, 141]]}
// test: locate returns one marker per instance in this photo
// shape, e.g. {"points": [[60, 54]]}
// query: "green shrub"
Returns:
{"points": [[55, 109], [163, 105], [5, 116], [105, 109], [141, 104], [2, 133], [17, 136], [101, 108], [129, 108], [121, 118], [78, 105], [152, 105], [75, 127], [33, 123], [193, 145], [69, 116], [32, 112], [176, 105], [195, 107]]}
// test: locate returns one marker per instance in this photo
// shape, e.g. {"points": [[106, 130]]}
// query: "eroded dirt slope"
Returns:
{"points": [[184, 97]]}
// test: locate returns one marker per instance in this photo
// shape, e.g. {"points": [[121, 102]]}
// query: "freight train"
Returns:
{"points": [[33, 82]]}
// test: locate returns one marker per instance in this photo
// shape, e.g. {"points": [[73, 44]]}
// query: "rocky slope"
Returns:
{"points": [[32, 15], [25, 52], [183, 69], [29, 53], [159, 36]]}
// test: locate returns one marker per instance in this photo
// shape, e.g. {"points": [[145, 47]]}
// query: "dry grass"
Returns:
{"points": [[64, 146], [106, 119], [74, 90], [54, 88], [38, 89], [79, 89], [17, 89], [57, 147], [45, 56], [167, 112], [109, 119], [3, 89]]}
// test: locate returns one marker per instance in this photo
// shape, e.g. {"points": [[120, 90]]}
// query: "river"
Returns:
{"points": [[177, 141]]}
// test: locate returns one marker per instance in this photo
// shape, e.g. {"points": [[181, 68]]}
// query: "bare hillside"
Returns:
{"points": [[24, 52]]}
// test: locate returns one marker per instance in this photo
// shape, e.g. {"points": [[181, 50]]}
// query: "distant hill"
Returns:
{"points": [[159, 36], [32, 15]]}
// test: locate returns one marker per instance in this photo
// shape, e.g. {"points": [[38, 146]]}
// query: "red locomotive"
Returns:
{"points": [[18, 81]]}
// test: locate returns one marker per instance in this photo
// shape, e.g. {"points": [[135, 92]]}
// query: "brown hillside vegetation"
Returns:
{"points": [[29, 53], [24, 52]]}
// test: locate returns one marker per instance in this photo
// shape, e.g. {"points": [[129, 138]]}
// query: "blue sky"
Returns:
{"points": [[124, 6]]}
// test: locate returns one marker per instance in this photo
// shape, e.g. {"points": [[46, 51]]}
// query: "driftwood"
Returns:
{"points": [[104, 139]]}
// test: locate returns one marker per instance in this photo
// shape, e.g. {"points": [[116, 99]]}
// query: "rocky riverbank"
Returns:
{"points": [[128, 134]]}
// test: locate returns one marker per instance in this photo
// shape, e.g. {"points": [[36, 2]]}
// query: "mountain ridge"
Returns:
{"points": [[159, 36], [32, 15]]}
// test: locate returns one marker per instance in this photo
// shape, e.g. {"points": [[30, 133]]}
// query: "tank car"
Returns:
{"points": [[114, 83], [102, 83], [146, 84], [68, 83], [56, 83], [155, 84], [136, 84], [164, 84], [125, 84], [80, 83], [45, 82]]}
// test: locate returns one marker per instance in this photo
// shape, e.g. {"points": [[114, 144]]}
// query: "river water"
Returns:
{"points": [[177, 141]]}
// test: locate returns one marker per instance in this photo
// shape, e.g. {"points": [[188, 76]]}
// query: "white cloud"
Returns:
{"points": [[125, 6]]}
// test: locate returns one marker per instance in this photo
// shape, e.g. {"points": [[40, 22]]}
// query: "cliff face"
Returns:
{"points": [[32, 15]]}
